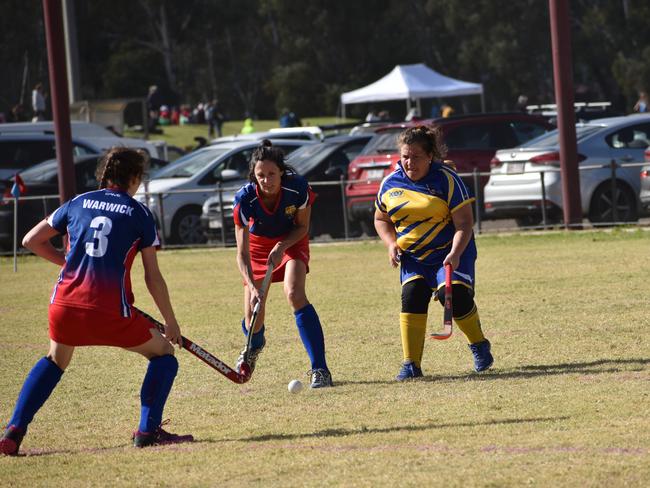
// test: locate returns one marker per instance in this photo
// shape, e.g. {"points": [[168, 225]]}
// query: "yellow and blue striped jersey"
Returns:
{"points": [[421, 210]]}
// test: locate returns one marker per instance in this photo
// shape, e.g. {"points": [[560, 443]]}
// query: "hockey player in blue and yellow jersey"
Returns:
{"points": [[424, 216]]}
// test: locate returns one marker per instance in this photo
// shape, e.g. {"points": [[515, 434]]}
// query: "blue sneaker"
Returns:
{"points": [[409, 371], [482, 356]]}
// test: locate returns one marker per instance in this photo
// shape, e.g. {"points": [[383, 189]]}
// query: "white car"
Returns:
{"points": [[312, 133], [514, 189], [176, 193]]}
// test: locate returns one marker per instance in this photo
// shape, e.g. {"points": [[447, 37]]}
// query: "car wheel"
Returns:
{"points": [[186, 227], [601, 209]]}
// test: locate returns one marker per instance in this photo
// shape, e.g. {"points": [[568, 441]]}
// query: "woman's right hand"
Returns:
{"points": [[394, 254], [173, 333], [257, 295]]}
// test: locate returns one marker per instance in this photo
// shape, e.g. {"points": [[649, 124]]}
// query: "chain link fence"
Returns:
{"points": [[331, 219]]}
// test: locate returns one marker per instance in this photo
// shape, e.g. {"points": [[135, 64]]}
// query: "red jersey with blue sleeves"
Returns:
{"points": [[249, 210], [106, 229]]}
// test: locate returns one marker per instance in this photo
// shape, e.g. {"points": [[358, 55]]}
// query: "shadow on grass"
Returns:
{"points": [[600, 366], [397, 428]]}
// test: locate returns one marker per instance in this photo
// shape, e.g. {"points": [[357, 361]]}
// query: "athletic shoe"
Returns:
{"points": [[252, 358], [320, 378], [159, 437], [409, 371], [482, 356], [10, 441]]}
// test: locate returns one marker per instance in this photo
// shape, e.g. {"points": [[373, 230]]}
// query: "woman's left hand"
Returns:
{"points": [[275, 256]]}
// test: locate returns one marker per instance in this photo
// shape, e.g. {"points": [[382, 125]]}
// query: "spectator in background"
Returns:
{"points": [[522, 102], [175, 116], [372, 116], [289, 119], [185, 115], [641, 105], [17, 113], [165, 116], [446, 110], [214, 118], [384, 115], [38, 103], [153, 106], [413, 114], [248, 126]]}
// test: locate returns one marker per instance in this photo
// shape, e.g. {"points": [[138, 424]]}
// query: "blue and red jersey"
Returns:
{"points": [[249, 210], [106, 229]]}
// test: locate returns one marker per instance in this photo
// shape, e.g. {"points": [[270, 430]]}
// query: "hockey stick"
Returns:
{"points": [[256, 311], [447, 320], [202, 354]]}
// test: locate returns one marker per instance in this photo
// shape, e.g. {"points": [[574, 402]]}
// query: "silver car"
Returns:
{"points": [[609, 153], [176, 194]]}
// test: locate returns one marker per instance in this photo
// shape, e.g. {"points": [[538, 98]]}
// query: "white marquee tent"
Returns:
{"points": [[412, 82]]}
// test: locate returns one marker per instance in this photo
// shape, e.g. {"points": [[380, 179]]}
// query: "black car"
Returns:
{"points": [[43, 180], [323, 164]]}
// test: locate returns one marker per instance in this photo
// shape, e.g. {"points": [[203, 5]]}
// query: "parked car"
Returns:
{"points": [[514, 189], [43, 179], [92, 134], [183, 186], [21, 151], [311, 133], [471, 139], [323, 162], [644, 194]]}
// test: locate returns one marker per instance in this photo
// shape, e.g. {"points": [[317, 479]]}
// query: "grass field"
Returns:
{"points": [[566, 404], [183, 135]]}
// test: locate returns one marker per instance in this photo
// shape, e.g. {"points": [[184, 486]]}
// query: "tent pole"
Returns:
{"points": [[419, 106], [343, 111], [482, 102]]}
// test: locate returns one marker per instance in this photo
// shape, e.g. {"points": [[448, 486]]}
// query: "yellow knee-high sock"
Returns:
{"points": [[470, 324], [413, 327]]}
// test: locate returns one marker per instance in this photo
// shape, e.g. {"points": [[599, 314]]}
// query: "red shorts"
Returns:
{"points": [[74, 326], [260, 247]]}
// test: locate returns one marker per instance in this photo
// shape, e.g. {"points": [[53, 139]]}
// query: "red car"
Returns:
{"points": [[471, 140]]}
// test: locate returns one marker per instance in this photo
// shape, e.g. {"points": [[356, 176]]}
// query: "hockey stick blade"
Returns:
{"points": [[447, 319], [202, 354]]}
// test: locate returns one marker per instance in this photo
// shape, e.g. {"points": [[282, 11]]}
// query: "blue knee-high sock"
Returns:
{"points": [[311, 333], [38, 386], [155, 388], [258, 337]]}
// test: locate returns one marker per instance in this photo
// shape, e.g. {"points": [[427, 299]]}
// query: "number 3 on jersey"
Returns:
{"points": [[99, 246]]}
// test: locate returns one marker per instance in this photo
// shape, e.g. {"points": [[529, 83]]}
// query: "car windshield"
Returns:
{"points": [[551, 139], [383, 142], [307, 157], [190, 164]]}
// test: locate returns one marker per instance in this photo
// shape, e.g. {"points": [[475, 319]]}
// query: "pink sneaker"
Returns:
{"points": [[10, 441], [159, 437]]}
